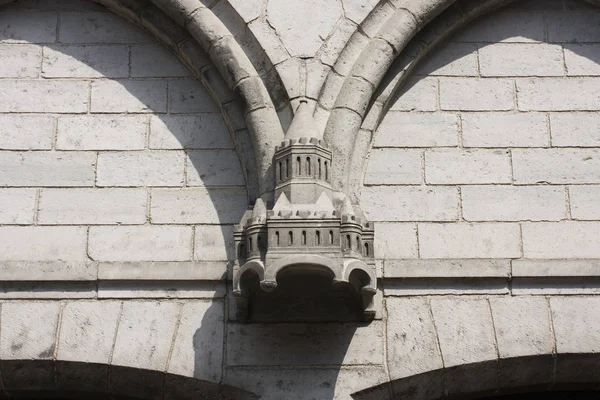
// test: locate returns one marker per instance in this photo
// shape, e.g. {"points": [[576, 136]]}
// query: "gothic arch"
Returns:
{"points": [[201, 40], [365, 91]]}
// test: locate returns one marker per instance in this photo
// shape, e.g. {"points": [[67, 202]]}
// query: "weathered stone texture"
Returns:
{"points": [[521, 60], [20, 61], [143, 243], [19, 27], [575, 322], [99, 27], [410, 203], [17, 206], [542, 94], [101, 133], [523, 326], [198, 205], [491, 130], [198, 344], [303, 26], [485, 240], [214, 168], [204, 131], [449, 167], [87, 331], [462, 341], [43, 243], [92, 206], [141, 334], [477, 94], [518, 100], [68, 61], [304, 344], [154, 60], [19, 132], [131, 96], [413, 346], [418, 130], [395, 241], [483, 180], [394, 167], [513, 203], [556, 166], [575, 129], [28, 330], [41, 96], [152, 168], [561, 240]]}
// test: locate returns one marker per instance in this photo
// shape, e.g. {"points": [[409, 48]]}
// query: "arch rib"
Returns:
{"points": [[364, 81], [239, 73]]}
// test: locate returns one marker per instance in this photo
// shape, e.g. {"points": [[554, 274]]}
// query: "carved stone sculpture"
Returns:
{"points": [[310, 227]]}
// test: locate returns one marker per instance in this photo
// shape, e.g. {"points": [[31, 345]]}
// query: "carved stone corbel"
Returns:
{"points": [[309, 229]]}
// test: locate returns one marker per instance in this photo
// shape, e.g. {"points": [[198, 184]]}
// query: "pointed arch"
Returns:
{"points": [[369, 85]]}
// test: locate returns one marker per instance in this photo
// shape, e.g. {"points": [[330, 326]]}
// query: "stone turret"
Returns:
{"points": [[303, 161], [304, 230]]}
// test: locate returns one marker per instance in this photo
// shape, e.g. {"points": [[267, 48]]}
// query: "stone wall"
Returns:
{"points": [[120, 182], [491, 150], [110, 149]]}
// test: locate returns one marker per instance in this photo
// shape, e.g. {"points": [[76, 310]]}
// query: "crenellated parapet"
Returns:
{"points": [[305, 230]]}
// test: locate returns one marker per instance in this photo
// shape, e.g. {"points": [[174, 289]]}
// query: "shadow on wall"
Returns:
{"points": [[291, 360], [277, 360], [152, 123], [528, 22]]}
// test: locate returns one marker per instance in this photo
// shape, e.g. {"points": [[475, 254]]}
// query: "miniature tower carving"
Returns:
{"points": [[304, 229]]}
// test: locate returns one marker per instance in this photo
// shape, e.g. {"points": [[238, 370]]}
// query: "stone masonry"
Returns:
{"points": [[134, 135]]}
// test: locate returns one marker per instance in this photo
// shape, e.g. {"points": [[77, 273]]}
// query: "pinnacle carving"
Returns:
{"points": [[306, 230]]}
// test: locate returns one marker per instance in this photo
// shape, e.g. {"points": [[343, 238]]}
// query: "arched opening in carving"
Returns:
{"points": [[305, 293]]}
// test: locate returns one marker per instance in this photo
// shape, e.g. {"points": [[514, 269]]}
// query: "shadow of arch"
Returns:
{"points": [[23, 379], [388, 76], [203, 148], [528, 374], [204, 41]]}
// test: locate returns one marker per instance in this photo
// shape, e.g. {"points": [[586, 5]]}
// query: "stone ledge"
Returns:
{"points": [[458, 268], [555, 268], [35, 271], [90, 271], [171, 271]]}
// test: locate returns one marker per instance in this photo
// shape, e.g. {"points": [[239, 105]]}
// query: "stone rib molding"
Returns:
{"points": [[356, 113], [89, 271], [240, 74]]}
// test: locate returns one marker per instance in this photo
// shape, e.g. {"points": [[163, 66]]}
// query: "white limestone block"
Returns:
{"points": [[37, 243], [87, 331], [140, 243], [28, 330], [92, 206], [145, 334]]}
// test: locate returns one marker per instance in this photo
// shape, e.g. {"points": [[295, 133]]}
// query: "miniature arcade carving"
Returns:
{"points": [[310, 228]]}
